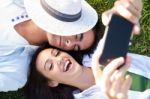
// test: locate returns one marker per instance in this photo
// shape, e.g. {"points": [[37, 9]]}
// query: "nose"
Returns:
{"points": [[58, 62], [70, 43]]}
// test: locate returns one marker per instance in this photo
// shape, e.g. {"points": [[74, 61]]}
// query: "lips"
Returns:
{"points": [[67, 65]]}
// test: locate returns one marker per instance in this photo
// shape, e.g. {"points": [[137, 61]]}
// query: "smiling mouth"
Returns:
{"points": [[67, 65]]}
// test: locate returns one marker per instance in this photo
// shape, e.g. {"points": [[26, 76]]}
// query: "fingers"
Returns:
{"points": [[114, 82], [108, 71], [130, 5], [127, 83], [115, 88], [124, 88], [121, 71], [113, 65], [120, 87], [129, 9], [106, 16], [136, 29], [137, 4]]}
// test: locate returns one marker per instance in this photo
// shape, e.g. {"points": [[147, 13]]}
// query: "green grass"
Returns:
{"points": [[141, 43], [12, 95]]}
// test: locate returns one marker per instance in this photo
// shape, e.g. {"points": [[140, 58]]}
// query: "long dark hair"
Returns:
{"points": [[37, 86]]}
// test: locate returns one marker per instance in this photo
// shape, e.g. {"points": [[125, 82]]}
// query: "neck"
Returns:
{"points": [[32, 33], [85, 80]]}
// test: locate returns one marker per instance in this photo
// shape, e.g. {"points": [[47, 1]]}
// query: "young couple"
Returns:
{"points": [[29, 23], [56, 75]]}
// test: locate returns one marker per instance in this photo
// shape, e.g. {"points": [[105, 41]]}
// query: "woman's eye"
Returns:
{"points": [[50, 66], [55, 52]]}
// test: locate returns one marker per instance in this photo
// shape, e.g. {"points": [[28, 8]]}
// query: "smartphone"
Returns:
{"points": [[116, 39]]}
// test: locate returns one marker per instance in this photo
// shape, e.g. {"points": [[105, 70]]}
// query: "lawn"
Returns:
{"points": [[140, 44]]}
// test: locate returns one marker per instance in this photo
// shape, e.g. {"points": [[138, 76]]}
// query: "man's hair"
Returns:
{"points": [[37, 85], [98, 30]]}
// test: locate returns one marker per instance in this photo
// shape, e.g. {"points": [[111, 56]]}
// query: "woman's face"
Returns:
{"points": [[57, 66], [75, 42]]}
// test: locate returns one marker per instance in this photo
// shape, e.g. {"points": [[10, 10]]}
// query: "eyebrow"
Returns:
{"points": [[45, 63], [81, 37]]}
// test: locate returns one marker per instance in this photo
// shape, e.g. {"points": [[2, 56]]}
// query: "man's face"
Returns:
{"points": [[75, 42]]}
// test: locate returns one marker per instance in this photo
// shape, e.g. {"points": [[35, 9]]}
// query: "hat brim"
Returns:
{"points": [[52, 25]]}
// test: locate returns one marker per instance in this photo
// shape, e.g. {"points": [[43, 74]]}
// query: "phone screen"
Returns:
{"points": [[116, 40]]}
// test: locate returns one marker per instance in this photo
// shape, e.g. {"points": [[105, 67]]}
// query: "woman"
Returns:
{"points": [[56, 75]]}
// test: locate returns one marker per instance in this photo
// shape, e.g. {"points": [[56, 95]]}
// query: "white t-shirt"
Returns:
{"points": [[15, 51]]}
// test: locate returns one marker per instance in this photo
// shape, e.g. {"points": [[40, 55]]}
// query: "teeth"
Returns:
{"points": [[66, 64]]}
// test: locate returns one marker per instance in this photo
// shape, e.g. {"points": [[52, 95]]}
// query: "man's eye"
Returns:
{"points": [[79, 37]]}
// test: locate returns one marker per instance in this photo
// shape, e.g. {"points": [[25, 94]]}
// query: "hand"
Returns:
{"points": [[113, 81], [129, 9]]}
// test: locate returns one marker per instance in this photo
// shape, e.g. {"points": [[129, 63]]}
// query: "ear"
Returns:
{"points": [[53, 83]]}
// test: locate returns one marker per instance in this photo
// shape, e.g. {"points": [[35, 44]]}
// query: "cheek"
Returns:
{"points": [[89, 39], [87, 43]]}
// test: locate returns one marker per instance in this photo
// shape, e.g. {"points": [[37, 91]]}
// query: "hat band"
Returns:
{"points": [[58, 15]]}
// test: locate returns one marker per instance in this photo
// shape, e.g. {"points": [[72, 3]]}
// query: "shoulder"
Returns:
{"points": [[94, 92]]}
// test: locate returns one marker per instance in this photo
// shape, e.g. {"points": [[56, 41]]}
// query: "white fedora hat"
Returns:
{"points": [[62, 17]]}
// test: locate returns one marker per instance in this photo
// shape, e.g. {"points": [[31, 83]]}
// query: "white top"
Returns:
{"points": [[95, 92], [11, 14], [140, 65], [15, 51]]}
